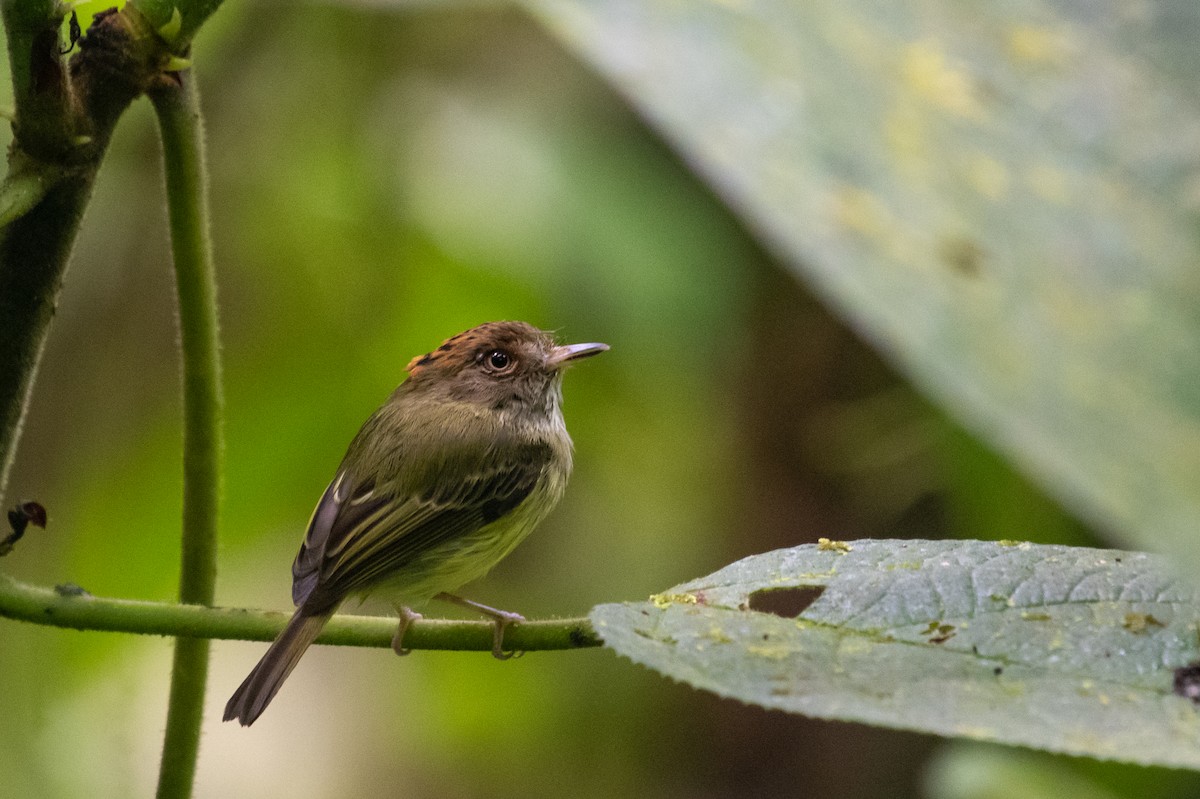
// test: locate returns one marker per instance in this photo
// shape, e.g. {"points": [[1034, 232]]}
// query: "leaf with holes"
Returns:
{"points": [[1058, 648]]}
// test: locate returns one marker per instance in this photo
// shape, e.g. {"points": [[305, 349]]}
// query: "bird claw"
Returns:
{"points": [[502, 619], [407, 617]]}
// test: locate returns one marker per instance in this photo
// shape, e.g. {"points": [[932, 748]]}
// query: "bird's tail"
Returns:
{"points": [[259, 688]]}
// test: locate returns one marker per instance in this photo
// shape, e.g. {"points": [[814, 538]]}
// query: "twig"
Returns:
{"points": [[78, 610], [178, 109]]}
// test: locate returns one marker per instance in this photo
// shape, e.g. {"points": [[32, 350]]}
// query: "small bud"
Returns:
{"points": [[170, 32], [34, 513], [20, 517], [177, 64]]}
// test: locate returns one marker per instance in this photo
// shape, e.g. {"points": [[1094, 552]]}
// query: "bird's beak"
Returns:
{"points": [[561, 356]]}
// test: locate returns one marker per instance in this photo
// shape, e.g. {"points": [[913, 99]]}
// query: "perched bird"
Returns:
{"points": [[441, 482]]}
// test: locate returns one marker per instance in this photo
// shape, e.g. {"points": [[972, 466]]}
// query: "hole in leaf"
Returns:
{"points": [[1187, 681], [786, 602]]}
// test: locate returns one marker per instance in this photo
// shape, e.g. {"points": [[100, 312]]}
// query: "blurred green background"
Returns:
{"points": [[381, 181]]}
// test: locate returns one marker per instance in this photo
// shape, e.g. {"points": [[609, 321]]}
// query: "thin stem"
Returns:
{"points": [[178, 112], [52, 167], [177, 107], [76, 610], [36, 242], [43, 119]]}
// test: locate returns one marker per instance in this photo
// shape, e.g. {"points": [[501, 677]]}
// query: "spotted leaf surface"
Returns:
{"points": [[1002, 196], [1058, 648]]}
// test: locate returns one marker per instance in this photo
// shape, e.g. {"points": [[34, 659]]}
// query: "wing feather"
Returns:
{"points": [[360, 534]]}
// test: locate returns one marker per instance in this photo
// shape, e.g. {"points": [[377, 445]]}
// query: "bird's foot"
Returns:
{"points": [[501, 619], [407, 617]]}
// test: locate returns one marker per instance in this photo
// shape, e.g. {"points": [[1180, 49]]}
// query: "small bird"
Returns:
{"points": [[465, 458]]}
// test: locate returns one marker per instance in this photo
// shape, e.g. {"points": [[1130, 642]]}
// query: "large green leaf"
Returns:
{"points": [[1002, 195], [1059, 648]]}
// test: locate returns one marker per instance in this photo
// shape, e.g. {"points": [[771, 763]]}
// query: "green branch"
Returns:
{"points": [[41, 218], [177, 106], [75, 610], [63, 121], [44, 118]]}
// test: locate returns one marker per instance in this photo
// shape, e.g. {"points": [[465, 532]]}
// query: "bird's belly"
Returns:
{"points": [[457, 562]]}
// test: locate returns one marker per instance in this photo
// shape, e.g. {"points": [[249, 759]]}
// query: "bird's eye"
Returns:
{"points": [[498, 360]]}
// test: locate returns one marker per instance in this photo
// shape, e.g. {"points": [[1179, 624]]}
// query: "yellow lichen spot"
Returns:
{"points": [[861, 211], [1013, 688], [1008, 542], [988, 176], [718, 635], [1140, 622], [826, 545], [939, 633], [854, 646], [1036, 45], [664, 601], [931, 76], [1049, 183]]}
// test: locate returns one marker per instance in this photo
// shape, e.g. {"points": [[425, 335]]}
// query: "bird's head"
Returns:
{"points": [[501, 365]]}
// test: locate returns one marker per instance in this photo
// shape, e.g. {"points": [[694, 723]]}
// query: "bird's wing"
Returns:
{"points": [[360, 533]]}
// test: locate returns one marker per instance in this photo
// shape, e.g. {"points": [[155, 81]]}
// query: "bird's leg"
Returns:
{"points": [[407, 617], [501, 618]]}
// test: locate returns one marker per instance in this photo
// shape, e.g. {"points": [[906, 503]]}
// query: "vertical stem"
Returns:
{"points": [[177, 107], [35, 246], [48, 155], [34, 251]]}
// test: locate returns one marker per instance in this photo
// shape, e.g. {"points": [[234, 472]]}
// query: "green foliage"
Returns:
{"points": [[1066, 649], [953, 183], [998, 199]]}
